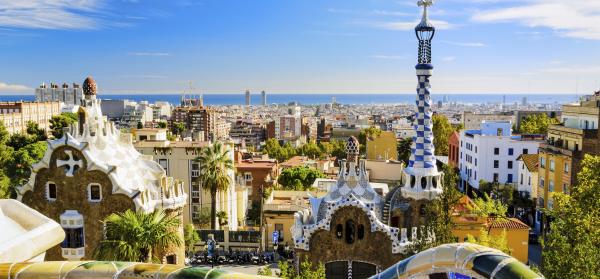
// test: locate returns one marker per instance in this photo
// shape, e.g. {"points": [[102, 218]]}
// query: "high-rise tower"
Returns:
{"points": [[263, 98], [247, 98], [422, 180]]}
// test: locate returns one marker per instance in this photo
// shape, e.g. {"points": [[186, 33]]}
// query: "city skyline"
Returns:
{"points": [[135, 46]]}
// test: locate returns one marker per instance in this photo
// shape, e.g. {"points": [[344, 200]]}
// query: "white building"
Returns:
{"points": [[528, 175], [68, 95], [491, 153]]}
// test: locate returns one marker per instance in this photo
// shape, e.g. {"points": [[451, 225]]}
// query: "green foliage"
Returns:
{"points": [[299, 178], [178, 128], [439, 214], [190, 237], [499, 242], [281, 153], [338, 149], [140, 125], [404, 151], [311, 150], [253, 214], [442, 131], [162, 124], [61, 121], [18, 153], [488, 207], [365, 134], [265, 271], [203, 219], [572, 247], [497, 191], [537, 124], [215, 165], [222, 216], [135, 236], [307, 271]]}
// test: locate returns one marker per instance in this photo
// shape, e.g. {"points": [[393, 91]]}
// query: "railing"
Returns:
{"points": [[218, 234], [244, 236], [283, 207], [195, 173]]}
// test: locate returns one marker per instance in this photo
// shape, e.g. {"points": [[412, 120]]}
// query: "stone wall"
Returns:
{"points": [[72, 194], [374, 247]]}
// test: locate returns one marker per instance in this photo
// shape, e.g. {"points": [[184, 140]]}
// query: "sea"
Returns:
{"points": [[349, 99]]}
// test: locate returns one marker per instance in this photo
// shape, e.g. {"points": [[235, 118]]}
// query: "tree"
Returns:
{"points": [[222, 216], [140, 125], [311, 149], [307, 271], [495, 190], [537, 124], [299, 178], [215, 165], [572, 247], [61, 121], [178, 128], [34, 130], [190, 237], [162, 124], [136, 236], [438, 214], [203, 219], [488, 207], [338, 149], [441, 131], [366, 135], [6, 154], [404, 149], [499, 242]]}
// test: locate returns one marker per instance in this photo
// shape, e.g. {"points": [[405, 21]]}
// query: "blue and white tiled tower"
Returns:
{"points": [[422, 180]]}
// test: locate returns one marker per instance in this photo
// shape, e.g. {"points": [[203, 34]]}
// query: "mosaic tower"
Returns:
{"points": [[422, 180]]}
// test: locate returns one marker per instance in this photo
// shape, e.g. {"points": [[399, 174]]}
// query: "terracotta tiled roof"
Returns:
{"points": [[531, 161], [509, 223]]}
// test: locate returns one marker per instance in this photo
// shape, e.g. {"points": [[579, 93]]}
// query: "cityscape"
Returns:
{"points": [[341, 183]]}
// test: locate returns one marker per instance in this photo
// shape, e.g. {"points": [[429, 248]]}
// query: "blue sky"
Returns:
{"points": [[291, 46]]}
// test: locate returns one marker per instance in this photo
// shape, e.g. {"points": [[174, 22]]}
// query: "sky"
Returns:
{"points": [[299, 46]]}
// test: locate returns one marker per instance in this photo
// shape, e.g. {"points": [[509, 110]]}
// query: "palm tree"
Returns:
{"points": [[215, 165], [133, 236]]}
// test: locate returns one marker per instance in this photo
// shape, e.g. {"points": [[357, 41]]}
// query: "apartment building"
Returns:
{"points": [[561, 155], [178, 160], [15, 115], [55, 93], [490, 153]]}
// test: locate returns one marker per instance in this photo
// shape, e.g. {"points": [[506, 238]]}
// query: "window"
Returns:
{"points": [[525, 151], [551, 186], [511, 151], [565, 188], [509, 179], [279, 228], [551, 165], [541, 182], [350, 229], [521, 179], [566, 167], [496, 164], [510, 165], [73, 238], [164, 163], [171, 259], [339, 230], [499, 132], [475, 149], [475, 161], [496, 151], [529, 181], [51, 191], [495, 177], [248, 176], [94, 192], [361, 231], [542, 162]]}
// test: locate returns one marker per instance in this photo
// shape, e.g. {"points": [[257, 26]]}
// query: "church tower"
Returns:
{"points": [[422, 180]]}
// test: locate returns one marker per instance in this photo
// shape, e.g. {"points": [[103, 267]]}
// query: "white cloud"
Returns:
{"points": [[388, 57], [468, 44], [570, 18], [448, 58], [49, 14], [13, 87], [149, 54], [410, 25]]}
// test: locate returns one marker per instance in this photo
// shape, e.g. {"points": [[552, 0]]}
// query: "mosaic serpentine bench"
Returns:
{"points": [[112, 270], [471, 260]]}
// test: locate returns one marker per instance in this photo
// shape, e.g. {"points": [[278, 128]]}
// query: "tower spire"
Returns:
{"points": [[422, 180]]}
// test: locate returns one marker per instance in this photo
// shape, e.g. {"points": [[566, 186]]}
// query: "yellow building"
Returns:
{"points": [[517, 233], [278, 214], [382, 147], [559, 158], [177, 158], [15, 115]]}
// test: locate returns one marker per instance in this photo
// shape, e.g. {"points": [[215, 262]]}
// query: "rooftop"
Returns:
{"points": [[530, 160], [509, 223]]}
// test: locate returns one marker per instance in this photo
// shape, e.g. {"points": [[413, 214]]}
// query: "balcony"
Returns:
{"points": [[195, 173], [574, 132], [556, 148], [283, 207]]}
